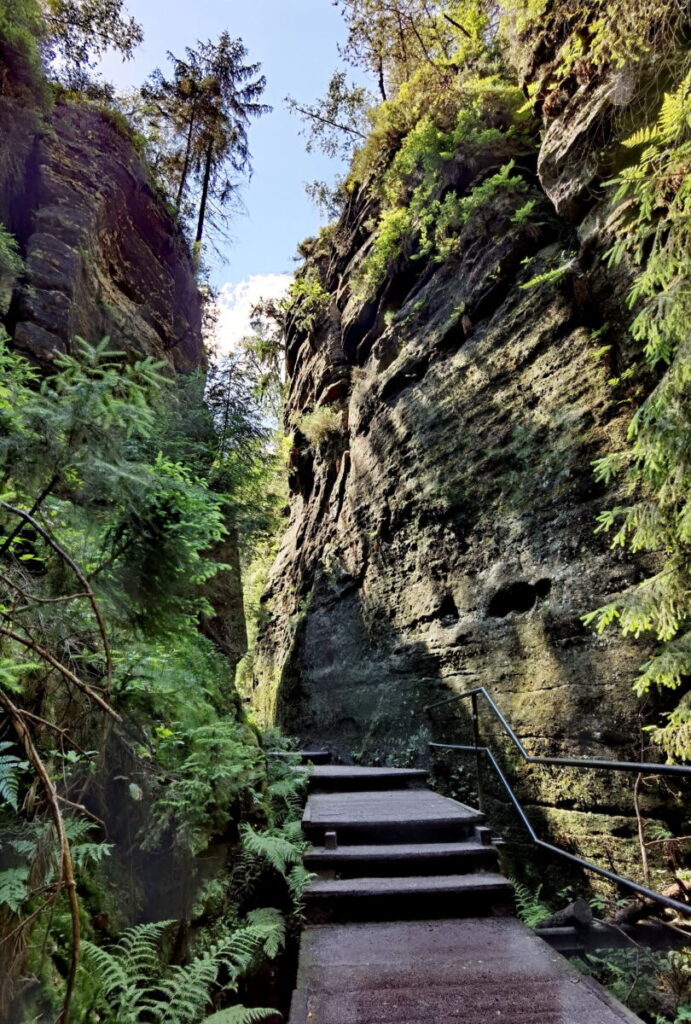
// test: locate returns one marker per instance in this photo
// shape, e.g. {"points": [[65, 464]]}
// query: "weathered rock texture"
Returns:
{"points": [[445, 538], [103, 256]]}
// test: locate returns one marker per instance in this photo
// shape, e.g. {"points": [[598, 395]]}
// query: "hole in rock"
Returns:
{"points": [[448, 609], [518, 597]]}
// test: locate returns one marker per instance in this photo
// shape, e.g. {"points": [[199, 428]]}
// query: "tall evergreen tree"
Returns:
{"points": [[207, 106]]}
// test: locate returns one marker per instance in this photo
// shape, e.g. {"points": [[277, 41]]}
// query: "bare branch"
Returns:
{"points": [[66, 672], [55, 728], [457, 25], [68, 880], [307, 112], [76, 569]]}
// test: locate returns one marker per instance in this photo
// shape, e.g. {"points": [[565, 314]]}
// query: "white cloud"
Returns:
{"points": [[235, 303]]}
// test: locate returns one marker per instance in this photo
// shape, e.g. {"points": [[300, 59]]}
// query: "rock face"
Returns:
{"points": [[443, 538], [102, 254]]}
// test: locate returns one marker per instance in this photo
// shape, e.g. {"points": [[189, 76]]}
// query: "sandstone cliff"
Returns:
{"points": [[443, 538], [102, 254]]}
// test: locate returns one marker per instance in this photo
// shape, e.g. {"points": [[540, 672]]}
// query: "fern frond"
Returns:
{"points": [[273, 923], [10, 769], [243, 1015], [13, 888], [530, 910], [276, 849]]}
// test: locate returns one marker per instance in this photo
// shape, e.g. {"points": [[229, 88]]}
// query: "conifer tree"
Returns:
{"points": [[207, 105]]}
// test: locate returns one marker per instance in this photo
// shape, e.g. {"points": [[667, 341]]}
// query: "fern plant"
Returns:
{"points": [[137, 984], [11, 768], [528, 905]]}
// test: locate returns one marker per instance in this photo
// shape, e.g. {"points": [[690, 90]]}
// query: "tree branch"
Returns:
{"points": [[66, 672], [306, 112], [457, 25], [67, 865], [76, 569]]}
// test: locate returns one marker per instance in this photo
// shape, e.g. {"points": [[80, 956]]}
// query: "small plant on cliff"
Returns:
{"points": [[306, 303], [320, 426]]}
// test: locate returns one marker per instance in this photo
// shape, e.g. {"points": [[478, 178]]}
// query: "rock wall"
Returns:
{"points": [[444, 538], [102, 254]]}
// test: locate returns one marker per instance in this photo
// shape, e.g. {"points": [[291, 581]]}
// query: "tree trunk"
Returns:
{"points": [[205, 190], [380, 78], [186, 164]]}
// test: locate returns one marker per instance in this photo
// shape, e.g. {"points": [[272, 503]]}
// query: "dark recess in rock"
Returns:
{"points": [[518, 597]]}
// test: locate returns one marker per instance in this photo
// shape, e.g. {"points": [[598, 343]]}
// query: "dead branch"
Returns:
{"points": [[457, 25], [669, 839], [62, 669], [307, 112], [646, 908], [33, 599], [76, 569], [68, 881], [83, 810], [55, 728]]}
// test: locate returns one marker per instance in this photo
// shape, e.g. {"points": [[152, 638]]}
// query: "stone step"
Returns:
{"points": [[408, 897], [387, 816], [403, 858], [473, 970], [335, 777], [306, 756]]}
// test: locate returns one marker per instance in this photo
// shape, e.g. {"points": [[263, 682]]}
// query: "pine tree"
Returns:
{"points": [[206, 107]]}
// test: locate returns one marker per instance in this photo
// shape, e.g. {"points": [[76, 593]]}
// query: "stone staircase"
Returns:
{"points": [[409, 920], [386, 848]]}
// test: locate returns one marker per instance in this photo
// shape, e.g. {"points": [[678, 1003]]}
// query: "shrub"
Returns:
{"points": [[320, 426]]}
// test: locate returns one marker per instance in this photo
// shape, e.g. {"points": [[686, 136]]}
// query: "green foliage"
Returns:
{"points": [[395, 40], [603, 33], [652, 209], [210, 772], [409, 158], [320, 426], [10, 768], [307, 302], [530, 910], [648, 982], [338, 121], [136, 978], [280, 853], [79, 31], [114, 464], [11, 263], [165, 539], [198, 122], [433, 225], [240, 1015], [13, 888], [555, 274]]}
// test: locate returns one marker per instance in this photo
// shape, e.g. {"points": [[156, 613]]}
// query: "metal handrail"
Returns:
{"points": [[567, 762], [478, 750]]}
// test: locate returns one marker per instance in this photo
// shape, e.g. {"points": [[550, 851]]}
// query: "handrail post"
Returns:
{"points": [[478, 758]]}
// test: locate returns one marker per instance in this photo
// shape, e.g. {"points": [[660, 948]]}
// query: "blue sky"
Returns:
{"points": [[296, 43]]}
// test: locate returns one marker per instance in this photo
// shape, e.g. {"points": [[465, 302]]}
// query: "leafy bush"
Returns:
{"points": [[11, 263]]}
